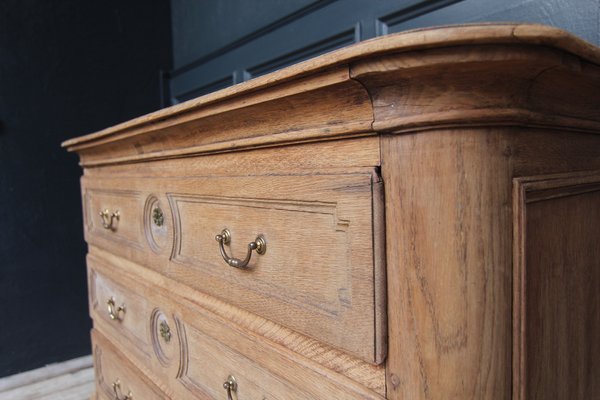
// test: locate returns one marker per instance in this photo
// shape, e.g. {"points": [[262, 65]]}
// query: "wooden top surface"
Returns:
{"points": [[464, 75], [411, 40]]}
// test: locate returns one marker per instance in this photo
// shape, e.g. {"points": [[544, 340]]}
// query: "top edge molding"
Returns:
{"points": [[419, 39]]}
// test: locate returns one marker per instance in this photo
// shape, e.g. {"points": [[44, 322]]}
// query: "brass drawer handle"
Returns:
{"points": [[108, 219], [259, 244], [231, 386], [117, 388], [115, 314]]}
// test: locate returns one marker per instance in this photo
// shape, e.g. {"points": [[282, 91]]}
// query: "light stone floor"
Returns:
{"points": [[69, 380]]}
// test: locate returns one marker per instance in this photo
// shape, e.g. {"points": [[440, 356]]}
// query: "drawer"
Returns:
{"points": [[114, 216], [321, 271], [124, 311], [116, 376], [192, 351]]}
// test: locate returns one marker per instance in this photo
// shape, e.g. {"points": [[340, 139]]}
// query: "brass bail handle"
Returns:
{"points": [[231, 386], [108, 219], [117, 388], [259, 244], [115, 312]]}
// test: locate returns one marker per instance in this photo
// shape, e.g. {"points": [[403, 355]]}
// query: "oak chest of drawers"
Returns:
{"points": [[412, 217]]}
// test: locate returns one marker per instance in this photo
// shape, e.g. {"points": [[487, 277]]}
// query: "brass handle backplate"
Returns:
{"points": [[108, 219], [259, 244], [117, 388], [231, 386], [115, 312]]}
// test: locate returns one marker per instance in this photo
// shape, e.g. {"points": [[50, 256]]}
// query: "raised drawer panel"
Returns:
{"points": [[194, 352], [127, 313], [121, 224], [211, 363], [322, 272], [112, 367]]}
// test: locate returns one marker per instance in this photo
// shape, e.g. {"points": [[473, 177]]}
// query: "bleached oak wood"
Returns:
{"points": [[342, 99], [111, 367], [204, 126], [450, 266], [131, 323], [420, 39], [204, 349], [329, 358], [431, 131], [481, 85], [557, 276], [330, 156], [317, 276]]}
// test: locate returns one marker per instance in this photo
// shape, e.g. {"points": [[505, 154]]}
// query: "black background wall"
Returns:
{"points": [[67, 68]]}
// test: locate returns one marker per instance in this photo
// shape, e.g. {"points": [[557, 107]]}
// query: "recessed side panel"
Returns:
{"points": [[557, 288]]}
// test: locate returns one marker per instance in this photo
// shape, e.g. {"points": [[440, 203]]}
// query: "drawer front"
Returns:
{"points": [[114, 216], [321, 271], [116, 376], [193, 352], [123, 310]]}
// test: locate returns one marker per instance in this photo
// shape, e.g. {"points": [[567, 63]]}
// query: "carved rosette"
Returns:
{"points": [[163, 336], [157, 224]]}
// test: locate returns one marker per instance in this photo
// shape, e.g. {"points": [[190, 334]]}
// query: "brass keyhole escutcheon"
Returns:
{"points": [[158, 217], [165, 331]]}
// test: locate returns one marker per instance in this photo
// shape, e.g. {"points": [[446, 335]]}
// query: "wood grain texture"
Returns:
{"points": [[344, 82], [131, 323], [324, 357], [398, 154], [557, 276], [481, 85], [448, 266], [206, 348], [257, 120], [318, 274], [127, 229], [328, 156], [450, 263], [420, 39], [111, 366]]}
